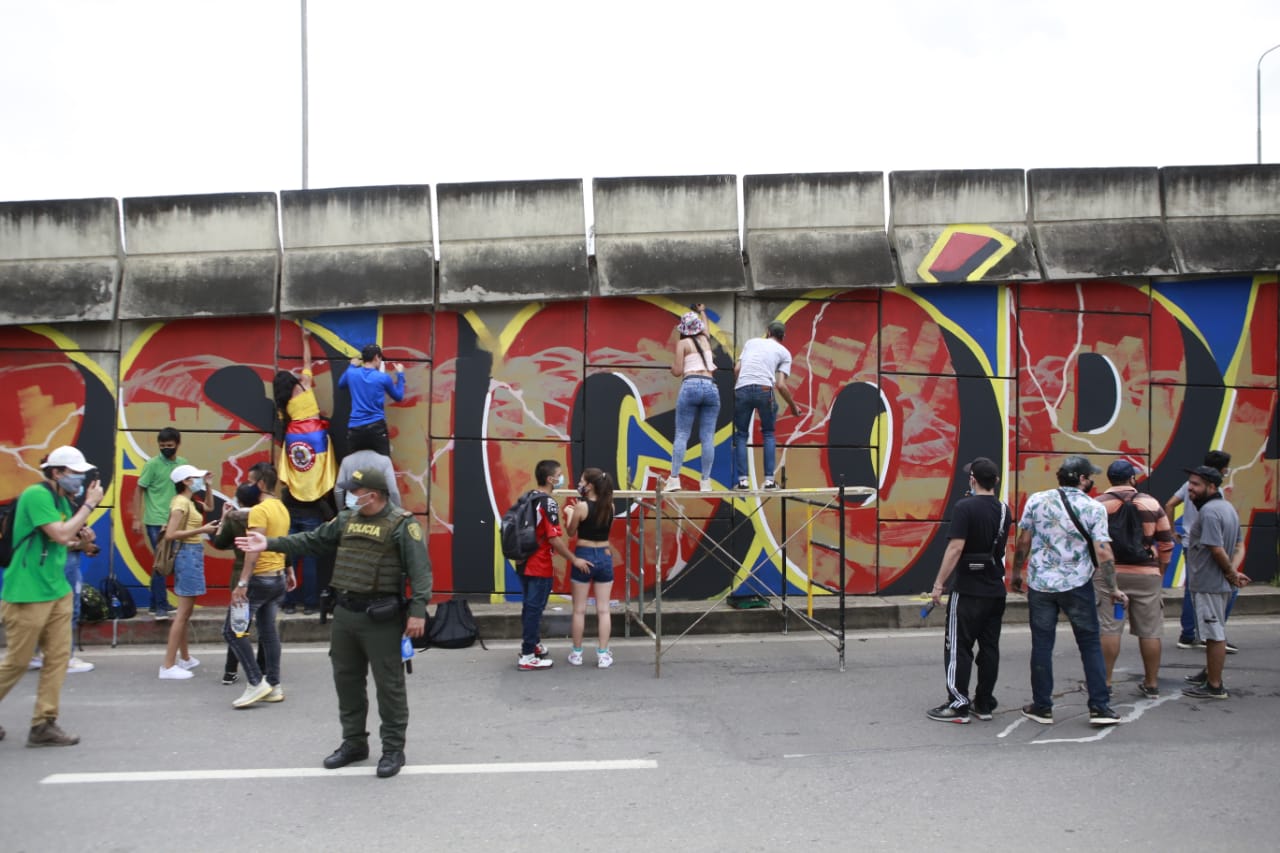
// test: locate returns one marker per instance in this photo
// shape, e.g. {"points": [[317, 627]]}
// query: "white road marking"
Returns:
{"points": [[1139, 707], [315, 772]]}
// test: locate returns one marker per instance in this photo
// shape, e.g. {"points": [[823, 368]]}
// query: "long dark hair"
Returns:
{"points": [[703, 352], [282, 390], [600, 481]]}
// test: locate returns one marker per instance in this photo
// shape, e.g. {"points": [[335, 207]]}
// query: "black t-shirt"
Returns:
{"points": [[975, 520]]}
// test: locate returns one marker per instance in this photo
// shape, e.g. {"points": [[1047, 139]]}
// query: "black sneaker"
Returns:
{"points": [[984, 714], [1044, 716], [1206, 691], [1186, 642], [346, 753], [1103, 717], [742, 485], [230, 678], [1148, 692], [390, 763], [769, 485], [290, 608], [1198, 679], [1231, 650], [948, 714]]}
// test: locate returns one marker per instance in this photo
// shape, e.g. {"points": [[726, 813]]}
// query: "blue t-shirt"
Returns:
{"points": [[367, 387]]}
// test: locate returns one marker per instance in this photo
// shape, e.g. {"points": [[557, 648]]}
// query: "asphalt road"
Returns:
{"points": [[744, 743]]}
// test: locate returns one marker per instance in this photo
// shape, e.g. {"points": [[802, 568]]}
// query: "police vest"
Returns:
{"points": [[368, 559]]}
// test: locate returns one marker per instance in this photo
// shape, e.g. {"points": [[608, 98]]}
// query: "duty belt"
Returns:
{"points": [[359, 602]]}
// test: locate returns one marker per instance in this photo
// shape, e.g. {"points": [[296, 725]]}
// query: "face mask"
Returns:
{"points": [[582, 490], [197, 485], [72, 484], [559, 482], [168, 452], [352, 501]]}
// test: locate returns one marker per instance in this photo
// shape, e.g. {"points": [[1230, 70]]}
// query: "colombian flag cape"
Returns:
{"points": [[306, 459]]}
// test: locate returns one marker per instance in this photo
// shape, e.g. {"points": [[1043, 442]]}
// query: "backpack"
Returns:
{"points": [[93, 607], [519, 528], [1125, 527], [453, 627], [118, 598], [6, 532]]}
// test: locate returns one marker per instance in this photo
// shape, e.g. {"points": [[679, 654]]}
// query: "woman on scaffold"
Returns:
{"points": [[699, 397]]}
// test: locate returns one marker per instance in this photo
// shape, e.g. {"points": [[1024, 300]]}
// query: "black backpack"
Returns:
{"points": [[119, 600], [453, 627], [6, 532], [1125, 527], [93, 607], [520, 528]]}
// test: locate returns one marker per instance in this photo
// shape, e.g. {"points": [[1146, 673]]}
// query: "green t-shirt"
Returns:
{"points": [[158, 489], [37, 572]]}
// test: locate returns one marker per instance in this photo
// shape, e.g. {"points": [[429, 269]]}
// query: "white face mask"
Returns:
{"points": [[197, 485], [559, 482], [353, 501]]}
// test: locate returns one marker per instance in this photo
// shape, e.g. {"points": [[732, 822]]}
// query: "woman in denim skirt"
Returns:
{"points": [[589, 520], [185, 525]]}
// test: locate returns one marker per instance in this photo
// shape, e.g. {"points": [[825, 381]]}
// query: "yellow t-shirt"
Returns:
{"points": [[304, 406], [194, 517], [272, 518]]}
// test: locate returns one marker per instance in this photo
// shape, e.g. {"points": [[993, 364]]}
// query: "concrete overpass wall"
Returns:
{"points": [[1153, 345]]}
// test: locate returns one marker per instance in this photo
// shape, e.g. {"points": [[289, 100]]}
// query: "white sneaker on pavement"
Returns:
{"points": [[175, 673], [190, 663], [77, 665]]}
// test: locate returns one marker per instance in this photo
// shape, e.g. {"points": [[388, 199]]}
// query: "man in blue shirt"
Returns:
{"points": [[369, 384]]}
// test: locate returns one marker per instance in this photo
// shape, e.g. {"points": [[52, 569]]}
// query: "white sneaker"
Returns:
{"points": [[604, 658], [276, 694], [77, 665], [671, 484], [704, 486], [189, 663], [532, 662], [36, 662], [252, 693], [575, 657], [175, 673]]}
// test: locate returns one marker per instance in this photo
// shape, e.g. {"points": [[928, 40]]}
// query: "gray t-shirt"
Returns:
{"points": [[1217, 524]]}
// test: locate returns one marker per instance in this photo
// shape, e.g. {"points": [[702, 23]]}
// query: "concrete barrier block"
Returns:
{"points": [[1223, 218], [348, 247], [1099, 223], [817, 230], [667, 235], [205, 255], [59, 260], [512, 241], [961, 225]]}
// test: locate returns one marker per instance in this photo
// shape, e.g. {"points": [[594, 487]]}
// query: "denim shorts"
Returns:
{"points": [[601, 560], [188, 570]]}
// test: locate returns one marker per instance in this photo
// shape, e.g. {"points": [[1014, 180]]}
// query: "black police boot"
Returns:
{"points": [[390, 763], [345, 754]]}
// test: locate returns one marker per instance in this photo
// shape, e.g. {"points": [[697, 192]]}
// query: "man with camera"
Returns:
{"points": [[377, 546], [37, 605]]}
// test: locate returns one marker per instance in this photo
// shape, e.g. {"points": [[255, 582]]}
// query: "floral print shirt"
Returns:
{"points": [[1059, 554]]}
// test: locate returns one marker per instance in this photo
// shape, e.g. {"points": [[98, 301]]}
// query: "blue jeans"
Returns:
{"points": [[159, 590], [1081, 609], [265, 592], [307, 592], [536, 593], [1188, 632], [747, 401], [699, 398]]}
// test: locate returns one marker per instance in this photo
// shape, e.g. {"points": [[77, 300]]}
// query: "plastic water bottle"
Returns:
{"points": [[1118, 613], [406, 654], [926, 610], [240, 618]]}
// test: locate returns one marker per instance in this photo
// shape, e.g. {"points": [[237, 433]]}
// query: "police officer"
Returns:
{"points": [[377, 545]]}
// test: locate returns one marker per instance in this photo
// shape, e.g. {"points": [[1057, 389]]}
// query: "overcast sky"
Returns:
{"points": [[158, 97]]}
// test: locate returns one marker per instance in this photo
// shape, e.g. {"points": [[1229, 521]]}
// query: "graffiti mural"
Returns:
{"points": [[898, 389]]}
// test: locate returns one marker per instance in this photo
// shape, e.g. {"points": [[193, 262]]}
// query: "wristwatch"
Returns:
{"points": [[242, 584]]}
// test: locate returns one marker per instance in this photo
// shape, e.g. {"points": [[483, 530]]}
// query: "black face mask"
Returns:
{"points": [[168, 452]]}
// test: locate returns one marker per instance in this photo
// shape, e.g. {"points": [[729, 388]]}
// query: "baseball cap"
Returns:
{"points": [[691, 324], [365, 478], [1121, 471], [983, 468], [1204, 472], [1078, 465], [370, 352], [67, 457], [182, 472]]}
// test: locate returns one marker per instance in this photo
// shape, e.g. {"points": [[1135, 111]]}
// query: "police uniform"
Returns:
{"points": [[374, 554]]}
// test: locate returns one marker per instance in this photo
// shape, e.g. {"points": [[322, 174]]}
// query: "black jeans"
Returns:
{"points": [[970, 619], [369, 437], [265, 592]]}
